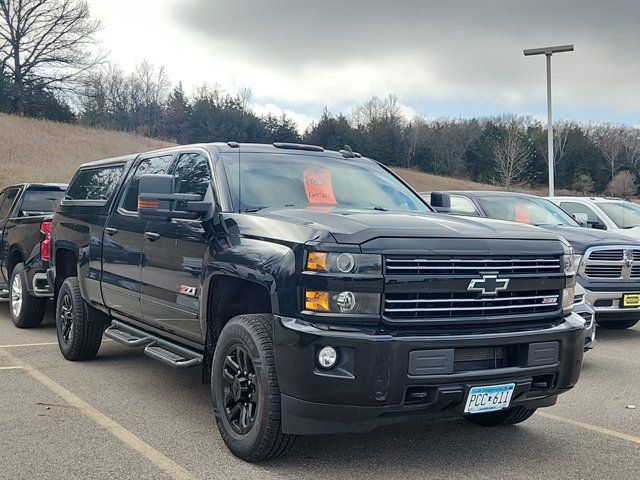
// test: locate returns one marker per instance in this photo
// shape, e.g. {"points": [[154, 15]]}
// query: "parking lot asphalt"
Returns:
{"points": [[124, 415]]}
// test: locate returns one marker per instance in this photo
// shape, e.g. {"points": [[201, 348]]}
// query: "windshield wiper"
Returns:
{"points": [[380, 209]]}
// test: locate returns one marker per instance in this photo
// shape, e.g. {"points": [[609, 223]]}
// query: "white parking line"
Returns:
{"points": [[593, 428], [13, 367], [160, 460], [19, 345]]}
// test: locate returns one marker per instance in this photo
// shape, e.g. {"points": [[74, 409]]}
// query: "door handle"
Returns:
{"points": [[110, 231], [153, 236]]}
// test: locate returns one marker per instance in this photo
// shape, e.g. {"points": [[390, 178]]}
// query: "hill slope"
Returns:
{"points": [[42, 151]]}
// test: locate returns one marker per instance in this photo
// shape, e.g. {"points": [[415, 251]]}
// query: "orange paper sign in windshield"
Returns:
{"points": [[522, 214], [318, 186]]}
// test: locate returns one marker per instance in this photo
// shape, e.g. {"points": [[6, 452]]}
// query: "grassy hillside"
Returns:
{"points": [[41, 151]]}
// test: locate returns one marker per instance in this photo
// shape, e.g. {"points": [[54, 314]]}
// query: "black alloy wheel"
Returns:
{"points": [[240, 389]]}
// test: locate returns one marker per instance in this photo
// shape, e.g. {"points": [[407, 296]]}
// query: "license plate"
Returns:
{"points": [[631, 300], [489, 398]]}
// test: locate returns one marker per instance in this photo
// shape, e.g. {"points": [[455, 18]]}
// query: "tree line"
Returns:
{"points": [[50, 67]]}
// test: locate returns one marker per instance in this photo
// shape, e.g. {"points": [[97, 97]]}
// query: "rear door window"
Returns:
{"points": [[95, 183]]}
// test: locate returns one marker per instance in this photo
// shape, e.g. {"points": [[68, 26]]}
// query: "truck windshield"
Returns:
{"points": [[623, 215], [294, 180], [41, 201], [530, 210]]}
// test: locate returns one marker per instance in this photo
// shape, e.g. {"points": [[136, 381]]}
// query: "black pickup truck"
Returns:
{"points": [[318, 292], [25, 220]]}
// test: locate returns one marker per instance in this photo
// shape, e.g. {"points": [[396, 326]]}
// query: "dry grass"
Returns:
{"points": [[41, 151], [425, 182]]}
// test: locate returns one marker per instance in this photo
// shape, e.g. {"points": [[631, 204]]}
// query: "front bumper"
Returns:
{"points": [[608, 305], [384, 378]]}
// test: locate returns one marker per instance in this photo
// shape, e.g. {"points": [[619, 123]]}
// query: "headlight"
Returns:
{"points": [[355, 263], [570, 263], [342, 302]]}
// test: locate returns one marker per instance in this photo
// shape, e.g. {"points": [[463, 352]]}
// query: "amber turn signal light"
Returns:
{"points": [[316, 301], [317, 261]]}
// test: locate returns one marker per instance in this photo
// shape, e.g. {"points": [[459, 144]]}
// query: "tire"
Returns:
{"points": [[79, 334], [26, 311], [618, 325], [510, 416], [244, 356]]}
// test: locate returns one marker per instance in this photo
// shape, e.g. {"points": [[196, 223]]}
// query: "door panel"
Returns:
{"points": [[122, 244], [174, 252]]}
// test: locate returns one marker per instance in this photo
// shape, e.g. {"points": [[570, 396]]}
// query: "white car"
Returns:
{"points": [[615, 215]]}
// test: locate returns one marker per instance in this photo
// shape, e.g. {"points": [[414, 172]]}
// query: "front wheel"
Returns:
{"points": [[510, 416], [245, 390], [26, 311], [79, 335], [618, 324]]}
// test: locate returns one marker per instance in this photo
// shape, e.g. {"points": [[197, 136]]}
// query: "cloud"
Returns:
{"points": [[440, 57]]}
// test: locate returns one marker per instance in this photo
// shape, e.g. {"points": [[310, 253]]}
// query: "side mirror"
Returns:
{"points": [[156, 200], [441, 202], [581, 218]]}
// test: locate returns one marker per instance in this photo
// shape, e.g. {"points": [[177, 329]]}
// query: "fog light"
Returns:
{"points": [[327, 357]]}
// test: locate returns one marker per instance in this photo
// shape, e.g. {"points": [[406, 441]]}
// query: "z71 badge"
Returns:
{"points": [[187, 290]]}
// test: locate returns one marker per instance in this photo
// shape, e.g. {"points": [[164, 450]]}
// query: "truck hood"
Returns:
{"points": [[583, 238], [358, 226]]}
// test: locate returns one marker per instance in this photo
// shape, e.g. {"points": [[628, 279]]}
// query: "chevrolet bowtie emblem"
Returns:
{"points": [[489, 284]]}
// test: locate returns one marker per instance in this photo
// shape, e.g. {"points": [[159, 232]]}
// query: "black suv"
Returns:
{"points": [[317, 290]]}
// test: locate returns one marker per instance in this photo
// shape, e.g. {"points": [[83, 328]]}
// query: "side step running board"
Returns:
{"points": [[159, 349]]}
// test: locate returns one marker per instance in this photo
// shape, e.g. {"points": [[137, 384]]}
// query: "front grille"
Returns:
{"points": [[470, 266], [603, 271], [607, 255], [469, 304], [611, 264]]}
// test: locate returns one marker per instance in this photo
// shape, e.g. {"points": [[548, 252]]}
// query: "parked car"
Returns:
{"points": [[606, 268], [330, 298], [25, 221], [612, 214]]}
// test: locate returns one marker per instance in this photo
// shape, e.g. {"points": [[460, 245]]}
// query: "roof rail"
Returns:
{"points": [[298, 146], [346, 152]]}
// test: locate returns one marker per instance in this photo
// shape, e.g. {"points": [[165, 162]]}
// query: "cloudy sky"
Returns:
{"points": [[441, 58]]}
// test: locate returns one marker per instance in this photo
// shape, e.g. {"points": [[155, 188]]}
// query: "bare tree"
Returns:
{"points": [[623, 185], [631, 144], [512, 156], [47, 43], [609, 139], [560, 136], [375, 109]]}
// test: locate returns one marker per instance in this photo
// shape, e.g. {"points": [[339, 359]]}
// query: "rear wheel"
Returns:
{"points": [[26, 311], [618, 325], [79, 334], [245, 390], [510, 416]]}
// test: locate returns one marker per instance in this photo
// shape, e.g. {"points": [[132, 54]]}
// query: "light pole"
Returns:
{"points": [[548, 51]]}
